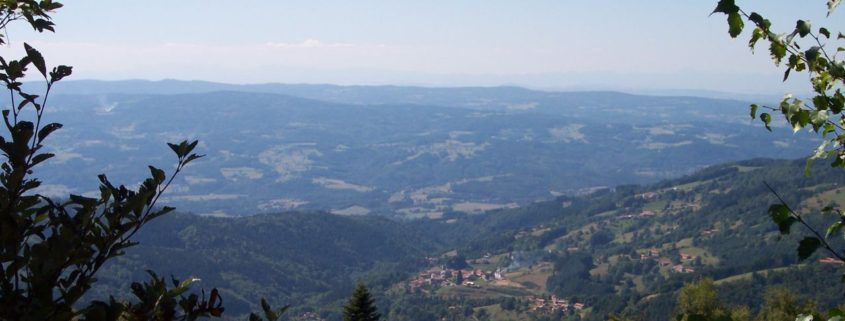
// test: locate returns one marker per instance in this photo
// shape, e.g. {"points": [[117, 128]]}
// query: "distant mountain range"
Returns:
{"points": [[395, 151]]}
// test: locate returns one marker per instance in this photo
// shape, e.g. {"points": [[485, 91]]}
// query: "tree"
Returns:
{"points": [[457, 262], [699, 301], [459, 278], [361, 306], [51, 250], [780, 304], [809, 49]]}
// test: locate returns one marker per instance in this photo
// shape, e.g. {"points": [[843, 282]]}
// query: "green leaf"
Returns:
{"points": [[781, 216], [777, 49], [754, 111], [47, 129], [60, 73], [799, 120], [807, 247], [831, 5], [823, 31], [821, 102], [756, 35], [766, 119], [735, 24], [191, 147], [268, 311], [812, 55], [818, 118], [41, 217], [757, 19], [41, 157], [803, 28], [726, 7], [835, 313], [187, 282], [36, 58], [158, 175], [193, 157], [833, 228], [175, 148]]}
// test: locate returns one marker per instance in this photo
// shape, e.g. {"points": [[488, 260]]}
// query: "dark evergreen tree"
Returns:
{"points": [[361, 306]]}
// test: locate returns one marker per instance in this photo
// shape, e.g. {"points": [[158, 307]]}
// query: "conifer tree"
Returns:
{"points": [[361, 306]]}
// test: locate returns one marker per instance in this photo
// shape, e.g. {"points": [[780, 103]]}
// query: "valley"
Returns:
{"points": [[403, 152], [618, 250]]}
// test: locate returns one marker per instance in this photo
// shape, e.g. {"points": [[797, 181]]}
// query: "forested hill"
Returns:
{"points": [[291, 258], [627, 250]]}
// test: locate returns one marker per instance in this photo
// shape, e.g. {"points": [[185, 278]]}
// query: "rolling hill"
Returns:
{"points": [[406, 152]]}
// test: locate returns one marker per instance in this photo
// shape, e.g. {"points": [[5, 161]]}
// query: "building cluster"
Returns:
{"points": [[665, 262], [554, 304], [449, 277], [642, 214], [647, 195]]}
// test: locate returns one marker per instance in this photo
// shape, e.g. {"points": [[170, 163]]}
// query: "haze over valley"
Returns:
{"points": [[406, 152]]}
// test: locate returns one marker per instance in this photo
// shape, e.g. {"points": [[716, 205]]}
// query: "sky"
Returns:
{"points": [[545, 44]]}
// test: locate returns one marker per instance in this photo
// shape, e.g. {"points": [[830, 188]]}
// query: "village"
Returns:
{"points": [[436, 278]]}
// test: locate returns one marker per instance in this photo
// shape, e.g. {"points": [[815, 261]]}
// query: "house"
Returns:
{"points": [[654, 252], [664, 262], [692, 206], [646, 195], [578, 306], [647, 213], [538, 304], [709, 232], [686, 256], [681, 269], [830, 260]]}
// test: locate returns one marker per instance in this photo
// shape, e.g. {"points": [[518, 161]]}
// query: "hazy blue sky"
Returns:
{"points": [[544, 44]]}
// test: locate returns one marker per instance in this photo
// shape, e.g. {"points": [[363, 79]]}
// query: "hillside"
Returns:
{"points": [[628, 249], [303, 259], [621, 250]]}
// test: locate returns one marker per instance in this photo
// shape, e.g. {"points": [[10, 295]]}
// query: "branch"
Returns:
{"points": [[801, 220]]}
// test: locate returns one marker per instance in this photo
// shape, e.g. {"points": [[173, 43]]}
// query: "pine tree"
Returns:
{"points": [[361, 306]]}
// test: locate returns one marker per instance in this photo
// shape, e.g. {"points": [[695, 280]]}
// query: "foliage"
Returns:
{"points": [[303, 259], [699, 301], [812, 50], [781, 304], [361, 306], [51, 250]]}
